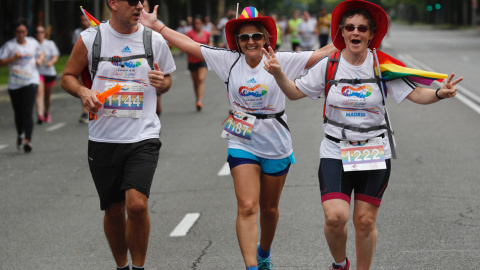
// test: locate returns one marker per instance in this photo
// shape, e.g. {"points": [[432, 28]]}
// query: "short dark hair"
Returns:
{"points": [[18, 22], [108, 5], [360, 11]]}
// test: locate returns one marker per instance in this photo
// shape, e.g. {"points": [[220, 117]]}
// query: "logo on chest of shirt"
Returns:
{"points": [[356, 104], [126, 50], [258, 90], [363, 91], [255, 90]]}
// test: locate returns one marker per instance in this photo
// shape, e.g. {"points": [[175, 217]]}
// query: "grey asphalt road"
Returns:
{"points": [[430, 216]]}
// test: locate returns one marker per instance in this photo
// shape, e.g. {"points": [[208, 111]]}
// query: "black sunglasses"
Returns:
{"points": [[254, 36], [134, 3], [361, 28]]}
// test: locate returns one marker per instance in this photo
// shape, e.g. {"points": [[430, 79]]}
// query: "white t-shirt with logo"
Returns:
{"points": [[23, 71], [358, 105], [50, 49], [133, 77], [254, 90]]}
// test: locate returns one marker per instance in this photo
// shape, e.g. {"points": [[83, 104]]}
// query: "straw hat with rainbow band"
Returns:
{"points": [[377, 13], [250, 14]]}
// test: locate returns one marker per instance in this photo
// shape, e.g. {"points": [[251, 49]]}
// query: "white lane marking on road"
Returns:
{"points": [[184, 226], [386, 45], [225, 170], [3, 146], [55, 127], [464, 95]]}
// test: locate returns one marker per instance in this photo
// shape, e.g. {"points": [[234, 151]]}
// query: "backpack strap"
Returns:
{"points": [[277, 116], [147, 44], [97, 47], [356, 81], [229, 72], [96, 50], [332, 67]]}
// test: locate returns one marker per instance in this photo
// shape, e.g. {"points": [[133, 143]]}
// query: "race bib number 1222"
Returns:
{"points": [[362, 156]]}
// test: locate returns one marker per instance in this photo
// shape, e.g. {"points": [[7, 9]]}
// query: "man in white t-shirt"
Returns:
{"points": [[124, 144]]}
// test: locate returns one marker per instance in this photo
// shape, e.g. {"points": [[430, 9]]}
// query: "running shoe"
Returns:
{"points": [[263, 263], [19, 143], [47, 118], [199, 106], [346, 267], [83, 118], [40, 120], [27, 147]]}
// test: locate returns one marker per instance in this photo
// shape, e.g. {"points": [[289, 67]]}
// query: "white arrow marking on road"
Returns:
{"points": [[3, 146], [55, 127], [185, 225], [225, 170]]}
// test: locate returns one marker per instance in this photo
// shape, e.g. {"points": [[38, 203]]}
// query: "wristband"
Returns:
{"points": [[436, 94], [161, 28]]}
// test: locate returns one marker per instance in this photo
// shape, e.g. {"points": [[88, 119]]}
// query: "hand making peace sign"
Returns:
{"points": [[448, 89], [272, 65]]}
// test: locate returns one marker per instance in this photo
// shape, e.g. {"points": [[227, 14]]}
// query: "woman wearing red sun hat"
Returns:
{"points": [[259, 143], [355, 154]]}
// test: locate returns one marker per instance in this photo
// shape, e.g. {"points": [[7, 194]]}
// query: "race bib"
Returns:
{"points": [[127, 103], [20, 75], [239, 126], [363, 156]]}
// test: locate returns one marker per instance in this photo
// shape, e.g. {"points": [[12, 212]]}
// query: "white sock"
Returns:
{"points": [[342, 264], [139, 267]]}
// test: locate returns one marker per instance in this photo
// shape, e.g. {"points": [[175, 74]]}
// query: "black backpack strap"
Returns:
{"points": [[277, 116], [96, 50], [354, 128], [358, 81], [229, 72], [147, 44]]}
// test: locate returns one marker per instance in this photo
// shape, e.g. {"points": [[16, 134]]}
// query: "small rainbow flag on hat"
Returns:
{"points": [[249, 12]]}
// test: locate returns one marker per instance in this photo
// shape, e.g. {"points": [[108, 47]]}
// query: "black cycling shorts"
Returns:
{"points": [[117, 167], [196, 66], [368, 186]]}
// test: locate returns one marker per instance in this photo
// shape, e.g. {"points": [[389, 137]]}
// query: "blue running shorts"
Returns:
{"points": [[272, 167]]}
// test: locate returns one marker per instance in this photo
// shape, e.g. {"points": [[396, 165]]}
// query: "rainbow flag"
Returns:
{"points": [[391, 69], [94, 22]]}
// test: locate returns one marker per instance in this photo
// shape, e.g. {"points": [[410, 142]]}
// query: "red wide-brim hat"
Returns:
{"points": [[378, 15], [250, 14]]}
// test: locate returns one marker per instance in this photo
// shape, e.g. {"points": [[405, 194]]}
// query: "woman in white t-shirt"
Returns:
{"points": [[48, 75], [259, 147], [20, 54], [354, 126]]}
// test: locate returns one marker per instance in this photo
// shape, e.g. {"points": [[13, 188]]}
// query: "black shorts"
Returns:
{"points": [[368, 186], [49, 79], [196, 66], [117, 167]]}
